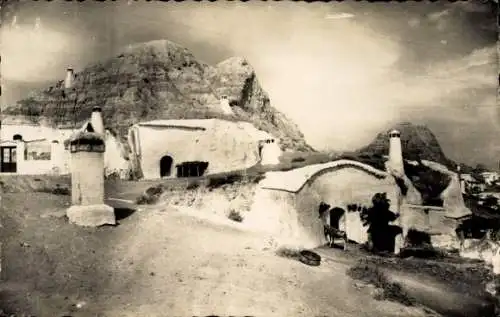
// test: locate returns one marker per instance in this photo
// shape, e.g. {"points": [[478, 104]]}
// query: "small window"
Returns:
{"points": [[17, 137]]}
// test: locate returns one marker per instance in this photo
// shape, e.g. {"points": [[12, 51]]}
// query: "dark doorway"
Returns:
{"points": [[8, 159], [191, 169], [166, 166], [335, 215]]}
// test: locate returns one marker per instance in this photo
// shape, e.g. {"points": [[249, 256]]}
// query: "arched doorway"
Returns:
{"points": [[335, 216], [166, 166]]}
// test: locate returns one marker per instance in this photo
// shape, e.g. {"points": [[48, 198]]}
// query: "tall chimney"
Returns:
{"points": [[395, 152], [68, 81], [461, 181], [96, 120], [224, 104]]}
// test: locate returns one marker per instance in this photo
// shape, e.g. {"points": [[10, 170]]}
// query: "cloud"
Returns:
{"points": [[436, 16], [414, 22], [341, 82], [336, 16], [441, 19], [346, 82], [29, 54]]}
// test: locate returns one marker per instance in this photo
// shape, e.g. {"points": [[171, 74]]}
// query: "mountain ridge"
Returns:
{"points": [[160, 80]]}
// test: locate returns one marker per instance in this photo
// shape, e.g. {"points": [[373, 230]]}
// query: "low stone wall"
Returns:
{"points": [[432, 220], [221, 201]]}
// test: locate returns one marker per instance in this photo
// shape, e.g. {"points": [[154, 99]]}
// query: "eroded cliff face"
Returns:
{"points": [[160, 80]]}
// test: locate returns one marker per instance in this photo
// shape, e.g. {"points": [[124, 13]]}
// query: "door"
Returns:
{"points": [[166, 166], [8, 159]]}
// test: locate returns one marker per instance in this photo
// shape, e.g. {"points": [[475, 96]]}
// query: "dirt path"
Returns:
{"points": [[163, 263]]}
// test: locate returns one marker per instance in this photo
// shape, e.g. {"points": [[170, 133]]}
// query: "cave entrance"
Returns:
{"points": [[166, 166], [336, 214], [191, 169]]}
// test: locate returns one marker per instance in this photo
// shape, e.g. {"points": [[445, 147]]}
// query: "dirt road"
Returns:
{"points": [[162, 263]]}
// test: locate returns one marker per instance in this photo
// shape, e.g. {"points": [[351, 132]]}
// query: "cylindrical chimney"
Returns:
{"points": [[96, 120], [68, 81], [224, 104], [395, 152]]}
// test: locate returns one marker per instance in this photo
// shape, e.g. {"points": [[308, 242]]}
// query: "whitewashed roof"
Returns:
{"points": [[192, 123], [207, 124], [294, 180]]}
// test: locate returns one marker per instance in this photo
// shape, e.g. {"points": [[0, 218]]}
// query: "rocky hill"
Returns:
{"points": [[160, 80], [418, 143]]}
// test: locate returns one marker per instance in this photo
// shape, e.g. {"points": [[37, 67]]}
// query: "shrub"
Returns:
{"points": [[192, 185], [151, 195], [298, 159], [220, 180], [235, 216], [369, 273], [288, 253], [57, 190], [418, 238]]}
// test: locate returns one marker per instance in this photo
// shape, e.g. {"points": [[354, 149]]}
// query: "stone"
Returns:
{"points": [[91, 215]]}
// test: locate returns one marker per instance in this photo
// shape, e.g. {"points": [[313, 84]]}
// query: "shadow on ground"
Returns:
{"points": [[123, 213]]}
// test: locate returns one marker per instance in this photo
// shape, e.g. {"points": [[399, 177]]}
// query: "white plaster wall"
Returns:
{"points": [[224, 144], [274, 213], [114, 157], [28, 132], [270, 154], [453, 201], [59, 157], [60, 162], [340, 188], [87, 181], [292, 217], [434, 221]]}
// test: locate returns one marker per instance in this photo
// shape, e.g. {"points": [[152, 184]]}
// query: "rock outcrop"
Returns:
{"points": [[418, 142], [161, 80]]}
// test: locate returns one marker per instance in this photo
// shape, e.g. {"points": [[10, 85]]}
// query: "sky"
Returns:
{"points": [[342, 71]]}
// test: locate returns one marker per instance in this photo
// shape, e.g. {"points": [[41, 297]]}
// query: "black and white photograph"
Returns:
{"points": [[249, 158]]}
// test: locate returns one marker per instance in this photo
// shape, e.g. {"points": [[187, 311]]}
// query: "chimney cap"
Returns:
{"points": [[223, 97], [394, 133], [69, 69], [97, 109]]}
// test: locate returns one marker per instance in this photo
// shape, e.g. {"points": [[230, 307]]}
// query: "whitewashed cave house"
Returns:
{"points": [[27, 148], [285, 204], [197, 147]]}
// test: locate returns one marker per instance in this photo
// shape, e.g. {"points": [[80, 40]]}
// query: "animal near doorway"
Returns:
{"points": [[166, 166]]}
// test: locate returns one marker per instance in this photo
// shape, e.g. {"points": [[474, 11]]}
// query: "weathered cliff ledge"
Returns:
{"points": [[160, 80]]}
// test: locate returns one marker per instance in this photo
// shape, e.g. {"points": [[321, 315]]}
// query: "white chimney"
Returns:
{"points": [[68, 81], [96, 120], [395, 152], [270, 153], [224, 104]]}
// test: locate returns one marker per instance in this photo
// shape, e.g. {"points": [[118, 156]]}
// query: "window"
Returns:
{"points": [[191, 169]]}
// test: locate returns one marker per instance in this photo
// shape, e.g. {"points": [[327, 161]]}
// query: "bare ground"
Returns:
{"points": [[162, 263]]}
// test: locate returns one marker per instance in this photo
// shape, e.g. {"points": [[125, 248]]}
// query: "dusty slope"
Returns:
{"points": [[161, 80], [159, 263]]}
